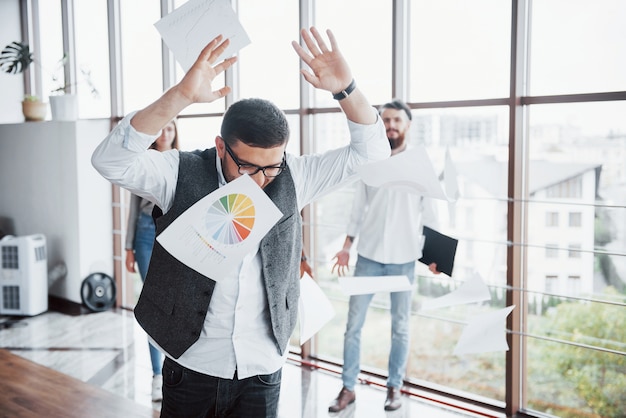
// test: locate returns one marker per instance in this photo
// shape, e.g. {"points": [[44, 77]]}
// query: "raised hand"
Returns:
{"points": [[195, 87], [329, 69], [196, 84]]}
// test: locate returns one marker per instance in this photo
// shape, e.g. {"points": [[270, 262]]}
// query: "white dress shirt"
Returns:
{"points": [[236, 333], [389, 223]]}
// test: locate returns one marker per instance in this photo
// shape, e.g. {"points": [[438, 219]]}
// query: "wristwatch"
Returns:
{"points": [[345, 92]]}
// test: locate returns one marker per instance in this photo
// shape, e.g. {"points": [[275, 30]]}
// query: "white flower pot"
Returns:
{"points": [[64, 107]]}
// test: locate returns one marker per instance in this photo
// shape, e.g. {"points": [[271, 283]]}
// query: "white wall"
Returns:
{"points": [[11, 85], [48, 186]]}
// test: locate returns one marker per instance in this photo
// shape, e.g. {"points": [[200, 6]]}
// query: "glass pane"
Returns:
{"points": [[577, 46], [364, 37], [477, 140], [269, 67], [576, 171], [51, 49], [198, 133], [459, 50], [293, 146], [141, 54], [435, 336], [329, 217], [92, 46], [478, 143], [566, 380]]}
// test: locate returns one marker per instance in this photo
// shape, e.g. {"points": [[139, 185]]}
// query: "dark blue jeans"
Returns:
{"points": [[188, 394]]}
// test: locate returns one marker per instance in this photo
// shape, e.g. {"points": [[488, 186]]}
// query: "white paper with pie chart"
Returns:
{"points": [[215, 234]]}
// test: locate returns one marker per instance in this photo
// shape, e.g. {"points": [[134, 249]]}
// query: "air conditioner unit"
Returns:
{"points": [[23, 275]]}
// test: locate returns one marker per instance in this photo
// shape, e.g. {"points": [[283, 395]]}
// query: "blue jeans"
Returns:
{"points": [[188, 394], [144, 240], [400, 324]]}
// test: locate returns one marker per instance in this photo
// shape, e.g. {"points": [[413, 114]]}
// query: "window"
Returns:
{"points": [[92, 59], [552, 251], [141, 54], [369, 30], [552, 283], [459, 50], [575, 219], [580, 143], [573, 285], [552, 219], [574, 251], [563, 59], [269, 66]]}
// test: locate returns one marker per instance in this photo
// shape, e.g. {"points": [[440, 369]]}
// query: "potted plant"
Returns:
{"points": [[33, 108], [63, 104], [15, 59]]}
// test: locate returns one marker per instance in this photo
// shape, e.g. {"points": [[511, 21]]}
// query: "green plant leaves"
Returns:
{"points": [[15, 58]]}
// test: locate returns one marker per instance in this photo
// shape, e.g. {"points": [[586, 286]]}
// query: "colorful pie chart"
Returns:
{"points": [[230, 219]]}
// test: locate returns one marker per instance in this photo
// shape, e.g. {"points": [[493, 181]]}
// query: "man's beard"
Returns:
{"points": [[396, 142]]}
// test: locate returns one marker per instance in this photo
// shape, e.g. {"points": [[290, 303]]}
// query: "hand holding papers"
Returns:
{"points": [[214, 234], [314, 308], [410, 169], [190, 27]]}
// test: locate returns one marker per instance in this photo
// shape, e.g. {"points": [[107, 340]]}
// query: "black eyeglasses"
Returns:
{"points": [[251, 169]]}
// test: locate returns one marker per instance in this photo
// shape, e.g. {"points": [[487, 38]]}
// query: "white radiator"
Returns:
{"points": [[23, 275]]}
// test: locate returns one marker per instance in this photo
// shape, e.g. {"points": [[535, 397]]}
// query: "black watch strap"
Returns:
{"points": [[345, 92]]}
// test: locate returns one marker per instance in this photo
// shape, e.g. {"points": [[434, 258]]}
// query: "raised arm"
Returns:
{"points": [[195, 87], [330, 72]]}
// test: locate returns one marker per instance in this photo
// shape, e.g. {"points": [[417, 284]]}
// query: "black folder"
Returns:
{"points": [[440, 249]]}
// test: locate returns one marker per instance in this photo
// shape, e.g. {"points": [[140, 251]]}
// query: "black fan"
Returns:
{"points": [[98, 292]]}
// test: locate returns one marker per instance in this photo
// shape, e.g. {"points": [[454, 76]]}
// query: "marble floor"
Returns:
{"points": [[108, 349]]}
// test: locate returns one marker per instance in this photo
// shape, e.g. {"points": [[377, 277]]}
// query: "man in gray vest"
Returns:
{"points": [[226, 342]]}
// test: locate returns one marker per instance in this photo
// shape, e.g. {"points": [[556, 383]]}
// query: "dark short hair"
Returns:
{"points": [[398, 105], [255, 122]]}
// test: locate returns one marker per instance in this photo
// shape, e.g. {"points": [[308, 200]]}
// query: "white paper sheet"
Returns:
{"points": [[314, 308], [484, 333], [411, 170], [214, 234], [362, 285], [450, 178], [473, 290], [189, 28]]}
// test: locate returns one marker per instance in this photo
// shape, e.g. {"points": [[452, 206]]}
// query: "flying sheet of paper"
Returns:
{"points": [[450, 177], [484, 333], [314, 308], [473, 290], [363, 285], [189, 28], [411, 169], [451, 182], [214, 234]]}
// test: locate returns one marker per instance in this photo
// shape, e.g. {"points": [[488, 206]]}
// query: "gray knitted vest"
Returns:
{"points": [[175, 298]]}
